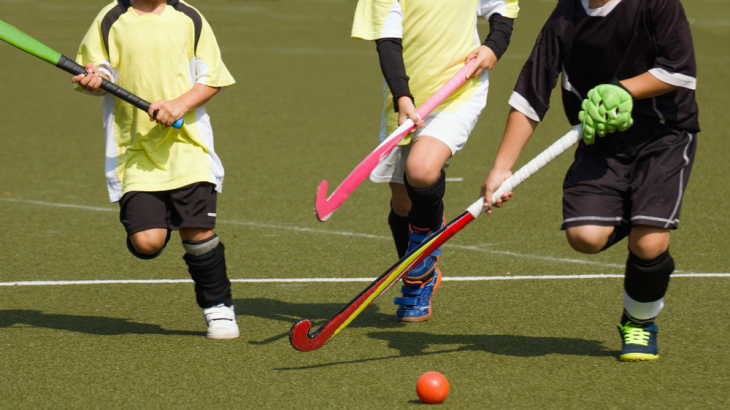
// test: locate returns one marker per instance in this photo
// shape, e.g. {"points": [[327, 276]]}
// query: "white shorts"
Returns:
{"points": [[451, 128]]}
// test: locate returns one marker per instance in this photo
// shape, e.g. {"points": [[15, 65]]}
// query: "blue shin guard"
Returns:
{"points": [[423, 270], [420, 283]]}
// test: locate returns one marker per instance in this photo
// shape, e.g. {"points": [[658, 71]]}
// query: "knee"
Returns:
{"points": [[648, 242], [422, 175], [589, 238], [148, 242]]}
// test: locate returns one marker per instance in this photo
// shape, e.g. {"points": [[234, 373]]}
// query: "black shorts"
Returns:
{"points": [[635, 177], [192, 206]]}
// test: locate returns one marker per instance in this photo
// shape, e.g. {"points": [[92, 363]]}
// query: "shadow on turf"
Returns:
{"points": [[415, 343], [411, 344], [317, 313], [94, 325]]}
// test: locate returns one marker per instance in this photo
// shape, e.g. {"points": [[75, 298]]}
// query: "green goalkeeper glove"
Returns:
{"points": [[607, 109]]}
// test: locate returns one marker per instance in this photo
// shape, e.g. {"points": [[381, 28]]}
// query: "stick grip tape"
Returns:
{"points": [[552, 152], [72, 67]]}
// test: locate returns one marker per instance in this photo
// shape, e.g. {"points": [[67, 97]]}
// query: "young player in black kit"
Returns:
{"points": [[629, 74]]}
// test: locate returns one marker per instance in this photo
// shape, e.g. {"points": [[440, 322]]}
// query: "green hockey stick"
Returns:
{"points": [[17, 38]]}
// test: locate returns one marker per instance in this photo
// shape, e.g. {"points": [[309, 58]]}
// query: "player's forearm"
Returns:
{"points": [[519, 129], [197, 96], [500, 32], [646, 86], [390, 54]]}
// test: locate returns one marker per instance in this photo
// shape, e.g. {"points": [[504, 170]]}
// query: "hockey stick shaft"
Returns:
{"points": [[299, 336], [324, 206], [17, 38]]}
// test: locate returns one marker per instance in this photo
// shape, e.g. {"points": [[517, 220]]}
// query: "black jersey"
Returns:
{"points": [[623, 39]]}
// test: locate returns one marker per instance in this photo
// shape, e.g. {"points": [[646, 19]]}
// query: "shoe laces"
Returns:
{"points": [[635, 335]]}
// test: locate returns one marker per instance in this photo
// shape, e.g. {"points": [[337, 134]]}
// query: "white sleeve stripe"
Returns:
{"points": [[676, 79], [486, 8], [393, 24], [106, 68], [520, 104], [199, 71]]}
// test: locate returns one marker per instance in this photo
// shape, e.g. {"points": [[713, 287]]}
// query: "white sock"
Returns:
{"points": [[642, 310]]}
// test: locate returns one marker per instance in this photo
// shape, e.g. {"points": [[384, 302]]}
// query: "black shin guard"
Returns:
{"points": [[399, 229], [648, 280], [208, 271], [619, 232], [427, 209]]}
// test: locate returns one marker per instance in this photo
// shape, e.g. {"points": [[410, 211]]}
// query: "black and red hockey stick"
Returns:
{"points": [[299, 336]]}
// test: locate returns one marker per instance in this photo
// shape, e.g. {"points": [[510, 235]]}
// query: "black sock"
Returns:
{"points": [[208, 271], [648, 280], [399, 229], [427, 209]]}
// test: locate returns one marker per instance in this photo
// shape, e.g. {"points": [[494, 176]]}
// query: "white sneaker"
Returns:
{"points": [[221, 321]]}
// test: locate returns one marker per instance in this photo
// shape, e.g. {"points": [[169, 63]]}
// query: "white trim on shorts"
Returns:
{"points": [[451, 128], [671, 222]]}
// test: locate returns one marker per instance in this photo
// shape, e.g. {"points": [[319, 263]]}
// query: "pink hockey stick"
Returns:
{"points": [[325, 207]]}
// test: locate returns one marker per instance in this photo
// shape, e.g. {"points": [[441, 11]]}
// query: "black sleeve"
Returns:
{"points": [[673, 40], [539, 74], [390, 51], [500, 31]]}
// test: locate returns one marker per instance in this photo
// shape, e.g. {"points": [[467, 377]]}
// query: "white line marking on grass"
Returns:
{"points": [[454, 179], [447, 245], [709, 23], [353, 234], [300, 51], [57, 205], [315, 280]]}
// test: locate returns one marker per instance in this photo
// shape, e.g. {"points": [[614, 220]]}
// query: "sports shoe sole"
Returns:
{"points": [[227, 334], [638, 357]]}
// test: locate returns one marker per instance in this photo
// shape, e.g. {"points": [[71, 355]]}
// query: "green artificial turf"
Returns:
{"points": [[306, 107]]}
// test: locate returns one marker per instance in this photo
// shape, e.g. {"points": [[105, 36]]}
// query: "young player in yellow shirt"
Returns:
{"points": [[164, 179], [421, 45]]}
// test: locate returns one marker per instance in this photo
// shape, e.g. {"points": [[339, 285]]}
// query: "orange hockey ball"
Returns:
{"points": [[432, 387]]}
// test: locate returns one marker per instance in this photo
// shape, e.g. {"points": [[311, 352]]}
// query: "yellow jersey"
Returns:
{"points": [[157, 57], [437, 36]]}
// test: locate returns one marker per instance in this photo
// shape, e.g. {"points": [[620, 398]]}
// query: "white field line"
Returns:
{"points": [[353, 234], [314, 280]]}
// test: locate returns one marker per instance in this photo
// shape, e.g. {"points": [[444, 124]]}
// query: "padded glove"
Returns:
{"points": [[607, 109]]}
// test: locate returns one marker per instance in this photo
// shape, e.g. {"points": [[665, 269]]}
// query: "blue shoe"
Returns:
{"points": [[638, 342], [415, 305], [416, 236]]}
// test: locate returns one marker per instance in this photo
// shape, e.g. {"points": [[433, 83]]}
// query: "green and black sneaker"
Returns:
{"points": [[638, 341]]}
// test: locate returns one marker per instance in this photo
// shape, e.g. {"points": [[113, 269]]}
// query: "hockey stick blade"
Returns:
{"points": [[299, 336], [324, 207]]}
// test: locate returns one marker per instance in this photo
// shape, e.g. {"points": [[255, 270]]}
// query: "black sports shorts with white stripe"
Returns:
{"points": [[634, 177], [192, 206]]}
